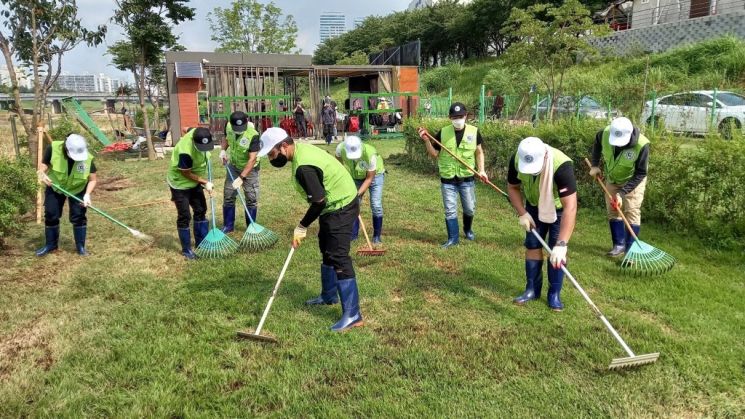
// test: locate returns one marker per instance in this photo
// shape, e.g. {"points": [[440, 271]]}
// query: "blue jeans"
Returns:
{"points": [[376, 194], [543, 229], [450, 192]]}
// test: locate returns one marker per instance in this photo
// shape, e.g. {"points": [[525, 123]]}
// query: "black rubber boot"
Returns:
{"points": [[350, 305], [453, 233], [555, 281], [467, 224], [377, 229], [617, 234], [533, 281], [184, 236], [79, 232], [629, 238], [51, 235], [201, 228], [228, 219], [328, 287]]}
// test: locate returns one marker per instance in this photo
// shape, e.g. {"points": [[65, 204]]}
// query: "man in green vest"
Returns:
{"points": [[187, 177], [239, 150], [321, 180], [625, 155], [366, 166], [543, 177], [69, 165], [456, 180]]}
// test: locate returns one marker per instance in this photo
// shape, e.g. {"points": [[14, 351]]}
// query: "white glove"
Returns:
{"points": [[558, 256], [526, 221], [594, 171], [209, 187], [224, 157], [87, 200], [237, 183], [43, 178], [298, 235]]}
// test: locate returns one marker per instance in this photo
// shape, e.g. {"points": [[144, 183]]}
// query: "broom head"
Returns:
{"points": [[633, 361], [142, 236], [251, 335], [216, 245], [644, 259], [258, 237], [366, 251]]}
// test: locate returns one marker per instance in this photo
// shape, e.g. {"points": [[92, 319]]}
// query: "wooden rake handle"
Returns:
{"points": [[607, 192], [364, 230]]}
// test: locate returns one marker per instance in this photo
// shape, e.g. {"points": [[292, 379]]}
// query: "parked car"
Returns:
{"points": [[568, 106], [691, 112]]}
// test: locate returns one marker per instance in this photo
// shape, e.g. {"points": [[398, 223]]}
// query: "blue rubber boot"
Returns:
{"points": [[350, 305], [467, 224], [453, 233], [533, 281], [254, 212], [184, 236], [79, 233], [377, 230], [328, 287], [51, 235], [555, 281], [228, 219], [355, 229], [201, 228], [629, 238], [618, 236]]}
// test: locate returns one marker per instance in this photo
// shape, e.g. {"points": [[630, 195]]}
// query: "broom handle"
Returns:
{"points": [[582, 292], [212, 198], [623, 217], [274, 292], [487, 181], [240, 195], [364, 230], [107, 216]]}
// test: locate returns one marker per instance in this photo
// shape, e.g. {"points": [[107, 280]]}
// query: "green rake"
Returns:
{"points": [[642, 258], [256, 237], [216, 244]]}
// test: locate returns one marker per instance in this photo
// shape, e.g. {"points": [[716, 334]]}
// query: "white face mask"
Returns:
{"points": [[459, 123]]}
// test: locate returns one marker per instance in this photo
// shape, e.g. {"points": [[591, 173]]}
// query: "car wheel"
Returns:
{"points": [[659, 123], [728, 127]]}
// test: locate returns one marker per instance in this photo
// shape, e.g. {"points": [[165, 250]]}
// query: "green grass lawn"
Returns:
{"points": [[138, 331]]}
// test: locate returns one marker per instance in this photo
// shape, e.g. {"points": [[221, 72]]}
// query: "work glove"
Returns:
{"points": [[526, 221], [298, 235], [43, 178], [87, 200], [594, 171], [209, 187], [617, 202], [558, 256], [237, 183], [423, 133], [224, 157]]}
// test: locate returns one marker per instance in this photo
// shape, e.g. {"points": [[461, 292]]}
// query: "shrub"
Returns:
{"points": [[17, 190]]}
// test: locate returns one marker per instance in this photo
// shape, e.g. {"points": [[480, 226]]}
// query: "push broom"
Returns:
{"points": [[216, 244], [370, 251], [641, 258], [256, 237], [136, 233]]}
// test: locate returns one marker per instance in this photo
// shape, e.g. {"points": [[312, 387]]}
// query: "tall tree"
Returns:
{"points": [[250, 26], [148, 28], [37, 34]]}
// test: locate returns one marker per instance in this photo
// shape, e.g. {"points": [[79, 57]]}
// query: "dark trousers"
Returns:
{"points": [[300, 123], [53, 204], [185, 198], [543, 229], [328, 132], [334, 236]]}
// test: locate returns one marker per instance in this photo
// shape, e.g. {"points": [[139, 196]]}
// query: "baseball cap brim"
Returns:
{"points": [[82, 156], [239, 128], [205, 147], [458, 114], [619, 140]]}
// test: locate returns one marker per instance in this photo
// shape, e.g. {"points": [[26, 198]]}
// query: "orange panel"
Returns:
{"points": [[187, 101]]}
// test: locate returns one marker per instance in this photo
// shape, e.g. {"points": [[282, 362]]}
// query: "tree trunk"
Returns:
{"points": [[145, 121]]}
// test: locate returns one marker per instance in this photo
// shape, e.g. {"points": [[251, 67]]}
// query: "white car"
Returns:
{"points": [[691, 112]]}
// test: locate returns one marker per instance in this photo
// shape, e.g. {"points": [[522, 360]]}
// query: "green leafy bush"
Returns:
{"points": [[17, 191]]}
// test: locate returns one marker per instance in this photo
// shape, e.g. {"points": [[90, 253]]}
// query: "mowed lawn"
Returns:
{"points": [[137, 331]]}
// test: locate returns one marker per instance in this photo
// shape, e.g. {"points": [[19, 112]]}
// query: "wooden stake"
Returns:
{"points": [[39, 152]]}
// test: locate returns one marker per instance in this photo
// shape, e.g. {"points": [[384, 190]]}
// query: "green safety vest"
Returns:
{"points": [[176, 179], [618, 170], [450, 167], [77, 179], [238, 147], [358, 168], [337, 183], [531, 185]]}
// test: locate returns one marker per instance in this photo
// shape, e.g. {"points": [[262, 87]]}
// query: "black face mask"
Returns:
{"points": [[279, 161]]}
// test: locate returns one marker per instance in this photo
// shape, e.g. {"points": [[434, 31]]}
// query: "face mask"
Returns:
{"points": [[279, 161], [459, 123]]}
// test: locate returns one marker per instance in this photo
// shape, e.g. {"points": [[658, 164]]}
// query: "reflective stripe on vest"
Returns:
{"points": [[449, 167], [238, 147], [81, 170], [358, 168], [176, 178], [531, 185], [618, 170], [337, 182]]}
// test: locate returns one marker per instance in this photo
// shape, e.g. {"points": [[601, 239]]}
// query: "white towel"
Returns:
{"points": [[546, 205]]}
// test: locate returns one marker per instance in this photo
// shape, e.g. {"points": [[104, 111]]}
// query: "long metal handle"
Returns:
{"points": [[243, 200], [212, 198], [607, 192], [107, 216], [582, 292], [274, 293]]}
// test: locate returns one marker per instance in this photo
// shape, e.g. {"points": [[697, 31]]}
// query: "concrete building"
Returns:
{"points": [[358, 22], [25, 79], [78, 82], [648, 13], [332, 24]]}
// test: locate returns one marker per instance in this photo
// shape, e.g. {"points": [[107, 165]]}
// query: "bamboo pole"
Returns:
{"points": [[39, 152]]}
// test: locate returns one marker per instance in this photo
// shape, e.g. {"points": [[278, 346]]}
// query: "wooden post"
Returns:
{"points": [[40, 151]]}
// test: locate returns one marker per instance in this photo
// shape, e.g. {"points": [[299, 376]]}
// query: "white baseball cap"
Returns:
{"points": [[270, 138], [76, 147], [353, 146], [620, 131], [530, 153]]}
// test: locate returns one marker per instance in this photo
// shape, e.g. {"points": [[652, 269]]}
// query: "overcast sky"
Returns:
{"points": [[195, 36]]}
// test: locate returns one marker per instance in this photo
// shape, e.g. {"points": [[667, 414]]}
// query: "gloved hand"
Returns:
{"points": [[594, 171], [483, 175], [298, 235], [526, 221], [209, 187], [558, 256], [224, 157], [43, 178], [423, 133], [237, 183], [617, 202], [87, 200]]}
